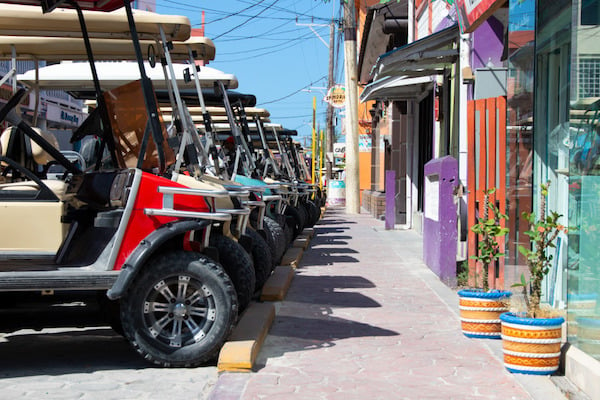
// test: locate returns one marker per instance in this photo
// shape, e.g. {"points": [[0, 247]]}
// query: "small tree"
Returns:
{"points": [[489, 228], [542, 233]]}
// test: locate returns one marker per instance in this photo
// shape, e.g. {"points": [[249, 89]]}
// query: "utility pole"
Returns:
{"points": [[329, 127], [314, 141], [352, 167]]}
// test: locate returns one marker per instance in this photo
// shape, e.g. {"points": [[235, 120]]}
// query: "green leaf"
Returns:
{"points": [[523, 250]]}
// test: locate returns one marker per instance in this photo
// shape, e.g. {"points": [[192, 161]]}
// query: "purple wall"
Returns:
{"points": [[439, 223], [488, 44]]}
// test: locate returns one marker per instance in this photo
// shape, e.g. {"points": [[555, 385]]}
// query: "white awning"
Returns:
{"points": [[397, 88], [427, 56]]}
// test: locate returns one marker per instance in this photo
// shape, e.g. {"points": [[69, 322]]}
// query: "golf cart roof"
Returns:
{"points": [[77, 77], [31, 21], [220, 111], [58, 49], [211, 98]]}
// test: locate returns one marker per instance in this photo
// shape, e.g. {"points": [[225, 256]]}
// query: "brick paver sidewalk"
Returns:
{"points": [[365, 319]]}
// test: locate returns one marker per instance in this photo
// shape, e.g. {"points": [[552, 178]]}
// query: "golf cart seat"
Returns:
{"points": [[18, 147]]}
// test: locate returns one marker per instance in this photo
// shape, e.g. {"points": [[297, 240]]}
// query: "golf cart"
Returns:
{"points": [[130, 231]]}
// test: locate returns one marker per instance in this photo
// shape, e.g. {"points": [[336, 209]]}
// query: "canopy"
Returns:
{"points": [[427, 56], [49, 5], [30, 21], [220, 111], [77, 77], [397, 88], [67, 48]]}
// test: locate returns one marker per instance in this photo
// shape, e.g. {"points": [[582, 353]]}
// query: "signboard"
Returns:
{"points": [[336, 96], [364, 143], [472, 13], [339, 150]]}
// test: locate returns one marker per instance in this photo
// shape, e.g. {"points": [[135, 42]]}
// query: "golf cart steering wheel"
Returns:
{"points": [[12, 103]]}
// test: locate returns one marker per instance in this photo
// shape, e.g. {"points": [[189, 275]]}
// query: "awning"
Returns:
{"points": [[397, 88], [427, 56]]}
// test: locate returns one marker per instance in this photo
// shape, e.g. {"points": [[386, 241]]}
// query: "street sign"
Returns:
{"points": [[336, 96], [339, 150]]}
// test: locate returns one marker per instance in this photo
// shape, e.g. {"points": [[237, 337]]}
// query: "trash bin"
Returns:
{"points": [[336, 193]]}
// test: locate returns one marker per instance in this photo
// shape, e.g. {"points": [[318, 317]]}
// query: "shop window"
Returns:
{"points": [[590, 12]]}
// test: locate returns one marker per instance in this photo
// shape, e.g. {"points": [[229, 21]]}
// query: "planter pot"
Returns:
{"points": [[480, 312], [588, 335], [531, 345]]}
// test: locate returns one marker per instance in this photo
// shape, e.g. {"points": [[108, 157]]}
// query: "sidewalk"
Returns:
{"points": [[364, 318]]}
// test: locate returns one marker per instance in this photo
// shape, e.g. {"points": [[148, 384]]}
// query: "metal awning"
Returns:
{"points": [[427, 56], [397, 88]]}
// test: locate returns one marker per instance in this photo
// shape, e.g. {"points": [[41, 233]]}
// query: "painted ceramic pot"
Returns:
{"points": [[480, 312], [531, 345]]}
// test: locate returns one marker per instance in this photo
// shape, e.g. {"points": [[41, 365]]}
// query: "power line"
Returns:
{"points": [[252, 5], [293, 93], [246, 21], [302, 39], [264, 36], [285, 10]]}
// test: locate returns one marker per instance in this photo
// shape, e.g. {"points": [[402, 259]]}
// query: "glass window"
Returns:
{"points": [[582, 271]]}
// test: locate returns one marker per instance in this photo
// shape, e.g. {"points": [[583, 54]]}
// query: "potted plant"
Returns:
{"points": [[531, 338], [480, 308]]}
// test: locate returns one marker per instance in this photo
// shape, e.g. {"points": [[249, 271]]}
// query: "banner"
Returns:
{"points": [[472, 13]]}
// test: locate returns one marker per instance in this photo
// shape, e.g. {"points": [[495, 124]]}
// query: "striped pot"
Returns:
{"points": [[480, 312], [531, 345]]}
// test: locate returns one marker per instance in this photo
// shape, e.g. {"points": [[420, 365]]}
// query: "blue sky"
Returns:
{"points": [[275, 57]]}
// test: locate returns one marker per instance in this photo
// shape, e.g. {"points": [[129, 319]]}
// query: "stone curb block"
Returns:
{"points": [[278, 284], [301, 242], [292, 257], [308, 232], [240, 351]]}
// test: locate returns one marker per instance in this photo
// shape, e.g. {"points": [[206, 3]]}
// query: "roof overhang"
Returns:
{"points": [[375, 35], [68, 48], [31, 21], [77, 77], [397, 88], [427, 56]]}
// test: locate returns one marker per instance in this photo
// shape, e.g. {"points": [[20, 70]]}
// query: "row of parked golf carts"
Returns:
{"points": [[180, 198]]}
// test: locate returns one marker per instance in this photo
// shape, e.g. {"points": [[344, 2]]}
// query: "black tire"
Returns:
{"points": [[261, 258], [238, 265], [277, 235], [295, 221], [111, 312], [180, 310], [288, 232], [312, 212]]}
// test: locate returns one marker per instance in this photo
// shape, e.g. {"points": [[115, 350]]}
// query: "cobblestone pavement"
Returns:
{"points": [[365, 319], [92, 363]]}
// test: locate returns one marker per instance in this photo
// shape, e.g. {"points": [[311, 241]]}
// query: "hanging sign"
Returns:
{"points": [[336, 96]]}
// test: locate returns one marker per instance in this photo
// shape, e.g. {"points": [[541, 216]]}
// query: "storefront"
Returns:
{"points": [[554, 135]]}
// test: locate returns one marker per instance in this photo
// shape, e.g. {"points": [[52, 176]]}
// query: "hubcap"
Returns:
{"points": [[179, 310]]}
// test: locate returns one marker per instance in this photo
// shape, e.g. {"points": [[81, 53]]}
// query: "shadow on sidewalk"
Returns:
{"points": [[26, 353], [290, 334]]}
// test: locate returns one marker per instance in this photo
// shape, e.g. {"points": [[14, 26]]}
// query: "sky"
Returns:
{"points": [[273, 52]]}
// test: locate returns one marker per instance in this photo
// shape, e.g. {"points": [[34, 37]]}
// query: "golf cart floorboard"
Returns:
{"points": [[57, 280]]}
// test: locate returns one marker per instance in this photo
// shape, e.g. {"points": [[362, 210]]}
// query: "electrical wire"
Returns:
{"points": [[293, 93], [246, 21]]}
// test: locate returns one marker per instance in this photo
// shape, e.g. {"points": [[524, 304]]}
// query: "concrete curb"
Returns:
{"points": [[292, 257], [240, 351], [278, 283]]}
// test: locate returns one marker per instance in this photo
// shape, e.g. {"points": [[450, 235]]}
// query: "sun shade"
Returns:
{"points": [[30, 21]]}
